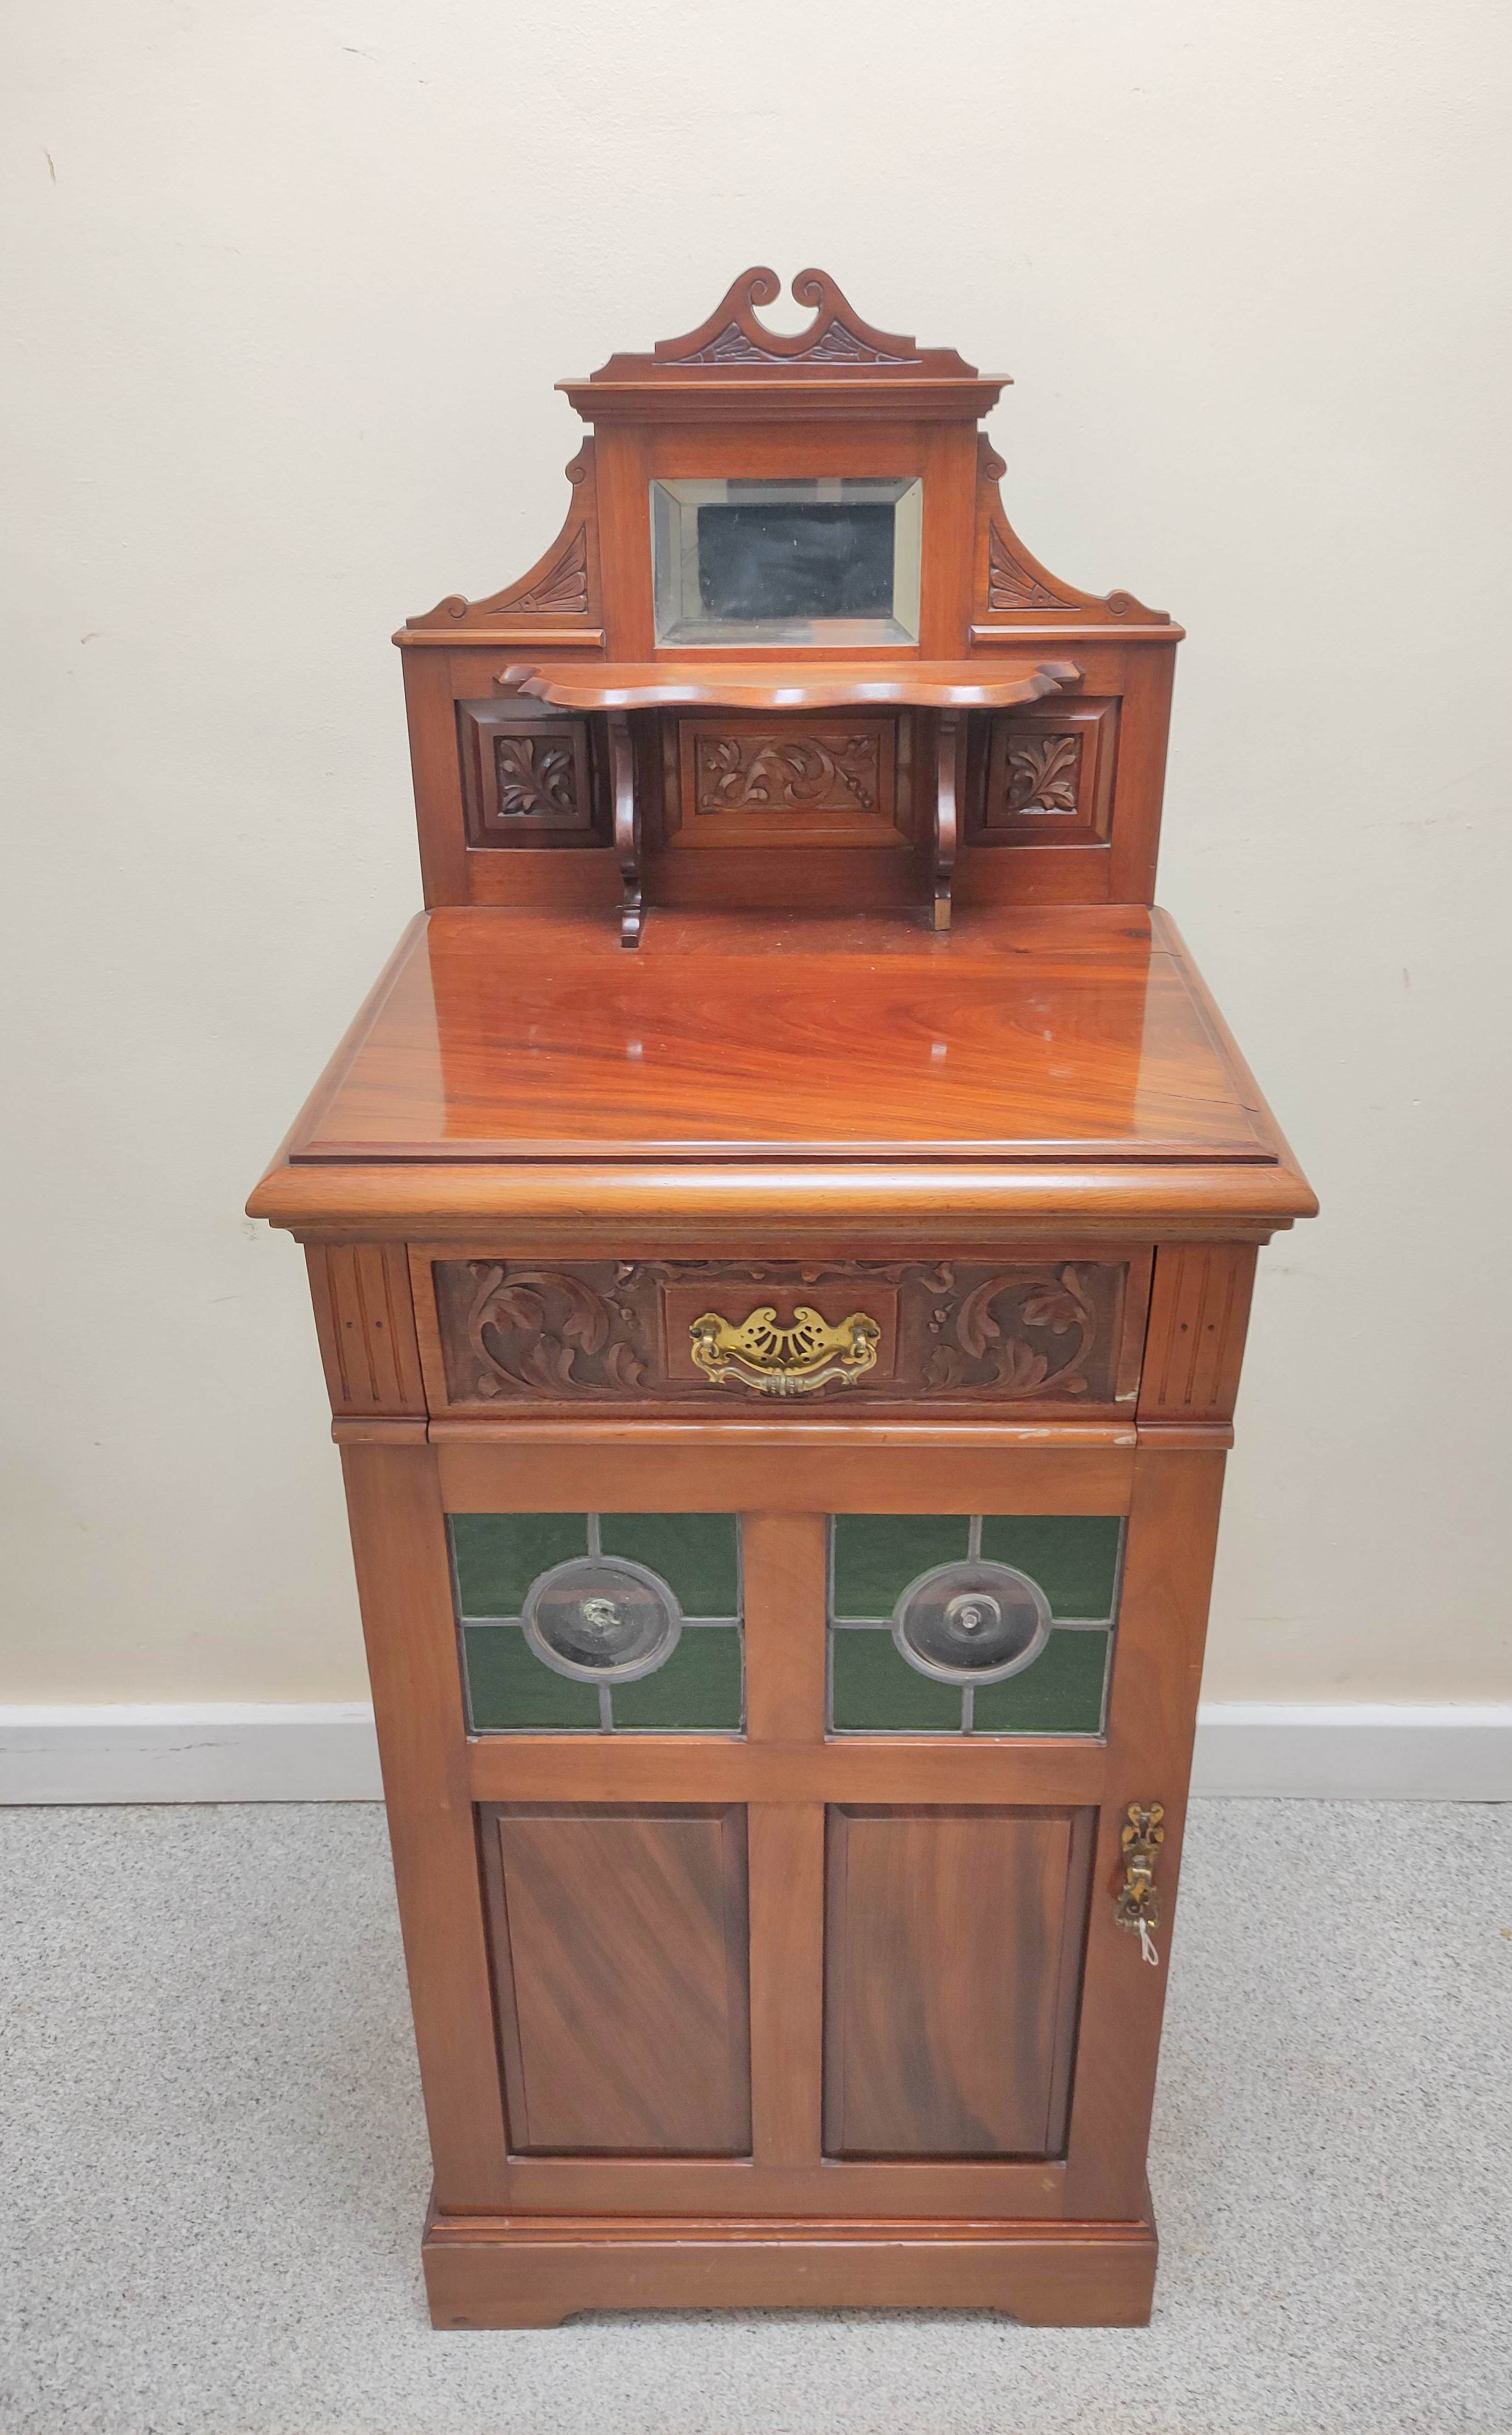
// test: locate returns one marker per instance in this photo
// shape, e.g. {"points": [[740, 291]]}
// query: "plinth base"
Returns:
{"points": [[493, 2271]]}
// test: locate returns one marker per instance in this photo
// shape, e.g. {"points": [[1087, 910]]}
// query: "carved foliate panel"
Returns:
{"points": [[513, 1332], [528, 779], [786, 781], [1048, 775]]}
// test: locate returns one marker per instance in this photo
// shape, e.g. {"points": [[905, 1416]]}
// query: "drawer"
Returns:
{"points": [[502, 1334]]}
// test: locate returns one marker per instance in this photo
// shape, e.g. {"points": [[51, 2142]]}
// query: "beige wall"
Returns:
{"points": [[289, 284]]}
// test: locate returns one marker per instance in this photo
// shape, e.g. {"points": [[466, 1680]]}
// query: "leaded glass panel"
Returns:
{"points": [[615, 1622], [976, 1624]]}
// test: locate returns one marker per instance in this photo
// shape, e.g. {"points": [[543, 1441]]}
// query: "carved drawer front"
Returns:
{"points": [[503, 1335]]}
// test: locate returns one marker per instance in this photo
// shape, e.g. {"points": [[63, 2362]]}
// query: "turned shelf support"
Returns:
{"points": [[627, 826], [949, 753]]}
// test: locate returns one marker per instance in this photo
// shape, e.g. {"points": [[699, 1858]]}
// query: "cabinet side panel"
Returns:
{"points": [[953, 1945], [1152, 1714], [619, 1958], [399, 1547]]}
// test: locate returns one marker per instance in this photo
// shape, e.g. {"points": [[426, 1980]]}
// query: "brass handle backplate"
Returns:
{"points": [[1138, 1906], [775, 1360]]}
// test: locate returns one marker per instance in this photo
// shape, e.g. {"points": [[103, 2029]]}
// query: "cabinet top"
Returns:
{"points": [[513, 1063]]}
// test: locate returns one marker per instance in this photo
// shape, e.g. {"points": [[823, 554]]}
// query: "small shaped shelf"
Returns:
{"points": [[789, 684]]}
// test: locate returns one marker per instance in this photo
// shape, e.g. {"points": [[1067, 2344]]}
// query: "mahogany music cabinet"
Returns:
{"points": [[783, 1372]]}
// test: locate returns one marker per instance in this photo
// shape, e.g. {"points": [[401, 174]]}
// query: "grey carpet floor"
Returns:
{"points": [[216, 2171]]}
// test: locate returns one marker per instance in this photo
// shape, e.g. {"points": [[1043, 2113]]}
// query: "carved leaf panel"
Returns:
{"points": [[783, 773], [536, 774], [527, 780], [753, 782], [1043, 772], [1048, 774]]}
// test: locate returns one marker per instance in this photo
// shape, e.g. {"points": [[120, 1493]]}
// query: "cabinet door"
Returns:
{"points": [[619, 1937], [953, 1965]]}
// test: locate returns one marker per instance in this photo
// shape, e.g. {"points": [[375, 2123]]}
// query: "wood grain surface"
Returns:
{"points": [[620, 1945], [953, 1964], [1065, 1033]]}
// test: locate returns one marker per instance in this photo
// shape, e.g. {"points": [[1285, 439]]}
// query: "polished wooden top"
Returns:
{"points": [[1072, 1051]]}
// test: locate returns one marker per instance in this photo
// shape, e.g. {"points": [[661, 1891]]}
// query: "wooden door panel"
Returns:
{"points": [[620, 1942], [953, 1945]]}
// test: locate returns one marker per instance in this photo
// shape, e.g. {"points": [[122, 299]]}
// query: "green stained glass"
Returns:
{"points": [[1060, 1693], [1074, 1557], [874, 1691], [877, 1555], [695, 1553], [499, 1555], [510, 1691], [700, 1688], [697, 1690]]}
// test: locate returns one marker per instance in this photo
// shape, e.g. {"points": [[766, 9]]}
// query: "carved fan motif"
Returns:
{"points": [[1009, 585], [563, 591]]}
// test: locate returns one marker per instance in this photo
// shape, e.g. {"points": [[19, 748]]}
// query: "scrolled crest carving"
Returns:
{"points": [[735, 338], [837, 334]]}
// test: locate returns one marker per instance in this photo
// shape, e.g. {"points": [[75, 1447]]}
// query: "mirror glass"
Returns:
{"points": [[829, 561]]}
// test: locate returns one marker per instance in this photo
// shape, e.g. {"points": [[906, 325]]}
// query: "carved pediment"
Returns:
{"points": [[837, 339]]}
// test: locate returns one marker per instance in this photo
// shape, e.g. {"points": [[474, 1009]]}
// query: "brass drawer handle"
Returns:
{"points": [[774, 1360], [1138, 1904]]}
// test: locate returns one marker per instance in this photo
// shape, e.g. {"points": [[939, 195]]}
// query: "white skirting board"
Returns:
{"points": [[219, 1751]]}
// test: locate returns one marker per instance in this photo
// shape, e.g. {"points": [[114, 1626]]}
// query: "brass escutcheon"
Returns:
{"points": [[774, 1360], [1140, 1839]]}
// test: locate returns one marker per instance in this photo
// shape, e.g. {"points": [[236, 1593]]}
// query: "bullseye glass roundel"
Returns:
{"points": [[601, 1619], [971, 1621]]}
